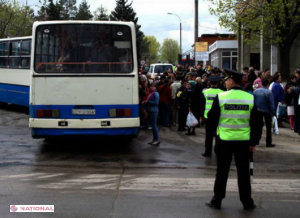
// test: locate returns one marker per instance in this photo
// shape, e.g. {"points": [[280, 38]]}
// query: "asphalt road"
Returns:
{"points": [[117, 178]]}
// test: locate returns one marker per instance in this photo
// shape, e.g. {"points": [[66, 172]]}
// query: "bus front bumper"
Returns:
{"points": [[84, 123], [48, 128]]}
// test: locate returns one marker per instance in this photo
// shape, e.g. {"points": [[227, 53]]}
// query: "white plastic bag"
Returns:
{"points": [[275, 126], [191, 120]]}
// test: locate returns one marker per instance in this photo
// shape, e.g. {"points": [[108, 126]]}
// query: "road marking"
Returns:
{"points": [[89, 180], [50, 176], [21, 175], [152, 183], [57, 185], [176, 184], [204, 184]]}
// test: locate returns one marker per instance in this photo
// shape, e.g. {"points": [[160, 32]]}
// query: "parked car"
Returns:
{"points": [[159, 68]]}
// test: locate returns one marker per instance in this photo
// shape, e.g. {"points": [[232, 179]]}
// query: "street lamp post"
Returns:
{"points": [[180, 51]]}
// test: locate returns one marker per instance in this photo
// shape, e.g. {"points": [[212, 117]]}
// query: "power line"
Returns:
{"points": [[214, 28], [192, 13]]}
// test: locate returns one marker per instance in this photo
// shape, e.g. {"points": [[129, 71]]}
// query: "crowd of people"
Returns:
{"points": [[233, 106], [184, 90]]}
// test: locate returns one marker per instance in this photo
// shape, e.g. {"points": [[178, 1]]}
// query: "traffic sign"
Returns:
{"points": [[201, 46], [202, 56]]}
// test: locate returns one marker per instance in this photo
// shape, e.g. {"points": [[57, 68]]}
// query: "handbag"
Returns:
{"points": [[191, 120]]}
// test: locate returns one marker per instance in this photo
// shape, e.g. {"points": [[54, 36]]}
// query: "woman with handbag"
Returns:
{"points": [[152, 103]]}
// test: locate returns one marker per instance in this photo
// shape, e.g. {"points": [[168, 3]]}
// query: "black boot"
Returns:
{"points": [[189, 132], [214, 203], [193, 131]]}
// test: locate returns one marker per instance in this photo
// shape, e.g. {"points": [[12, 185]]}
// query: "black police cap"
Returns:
{"points": [[214, 78], [233, 74]]}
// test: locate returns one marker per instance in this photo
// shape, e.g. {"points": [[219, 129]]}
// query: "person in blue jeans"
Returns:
{"points": [[152, 103]]}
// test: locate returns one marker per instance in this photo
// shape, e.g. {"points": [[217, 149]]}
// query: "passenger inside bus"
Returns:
{"points": [[73, 57], [103, 57], [25, 62]]}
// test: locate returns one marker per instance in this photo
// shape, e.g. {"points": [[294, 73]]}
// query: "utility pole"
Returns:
{"points": [[196, 29], [239, 66], [180, 50]]}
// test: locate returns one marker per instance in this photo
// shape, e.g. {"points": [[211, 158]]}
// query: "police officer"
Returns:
{"points": [[209, 96], [234, 114]]}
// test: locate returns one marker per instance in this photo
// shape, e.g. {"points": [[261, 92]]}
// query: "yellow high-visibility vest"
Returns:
{"points": [[234, 122], [210, 95]]}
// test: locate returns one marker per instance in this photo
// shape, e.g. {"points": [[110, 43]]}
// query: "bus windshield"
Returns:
{"points": [[83, 48]]}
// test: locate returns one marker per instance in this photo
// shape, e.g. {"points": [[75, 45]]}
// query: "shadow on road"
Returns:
{"points": [[14, 108], [97, 150], [87, 145]]}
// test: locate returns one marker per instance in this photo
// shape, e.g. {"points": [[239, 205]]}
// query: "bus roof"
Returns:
{"points": [[128, 23], [16, 38]]}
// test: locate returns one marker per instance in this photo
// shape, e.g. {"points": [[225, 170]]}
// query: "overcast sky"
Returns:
{"points": [[155, 21]]}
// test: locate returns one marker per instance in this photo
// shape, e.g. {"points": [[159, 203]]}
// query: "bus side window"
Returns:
{"points": [[3, 54], [14, 54], [25, 54]]}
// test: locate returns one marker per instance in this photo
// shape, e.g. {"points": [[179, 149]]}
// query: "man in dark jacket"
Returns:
{"points": [[183, 100], [165, 100], [200, 71], [266, 109], [296, 96]]}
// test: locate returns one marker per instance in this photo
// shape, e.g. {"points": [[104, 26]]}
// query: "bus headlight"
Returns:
{"points": [[120, 112], [112, 113], [40, 113], [127, 112], [55, 113]]}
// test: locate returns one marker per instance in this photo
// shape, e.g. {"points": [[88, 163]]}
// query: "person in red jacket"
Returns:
{"points": [[165, 100]]}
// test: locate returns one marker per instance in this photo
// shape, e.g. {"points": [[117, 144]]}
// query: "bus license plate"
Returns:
{"points": [[62, 123], [105, 123], [84, 112]]}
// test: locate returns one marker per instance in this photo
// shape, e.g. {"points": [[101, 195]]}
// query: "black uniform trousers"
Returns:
{"points": [[209, 137], [224, 156], [268, 123]]}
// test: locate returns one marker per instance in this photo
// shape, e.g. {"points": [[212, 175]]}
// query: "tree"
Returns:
{"points": [[154, 47], [124, 12], [277, 21], [49, 11], [68, 9], [16, 20], [101, 14], [41, 13], [84, 12], [53, 11], [144, 46], [169, 51]]}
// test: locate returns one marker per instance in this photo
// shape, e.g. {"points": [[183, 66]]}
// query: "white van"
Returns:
{"points": [[159, 67]]}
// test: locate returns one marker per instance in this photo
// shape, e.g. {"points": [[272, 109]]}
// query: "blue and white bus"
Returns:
{"points": [[15, 70], [83, 79]]}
